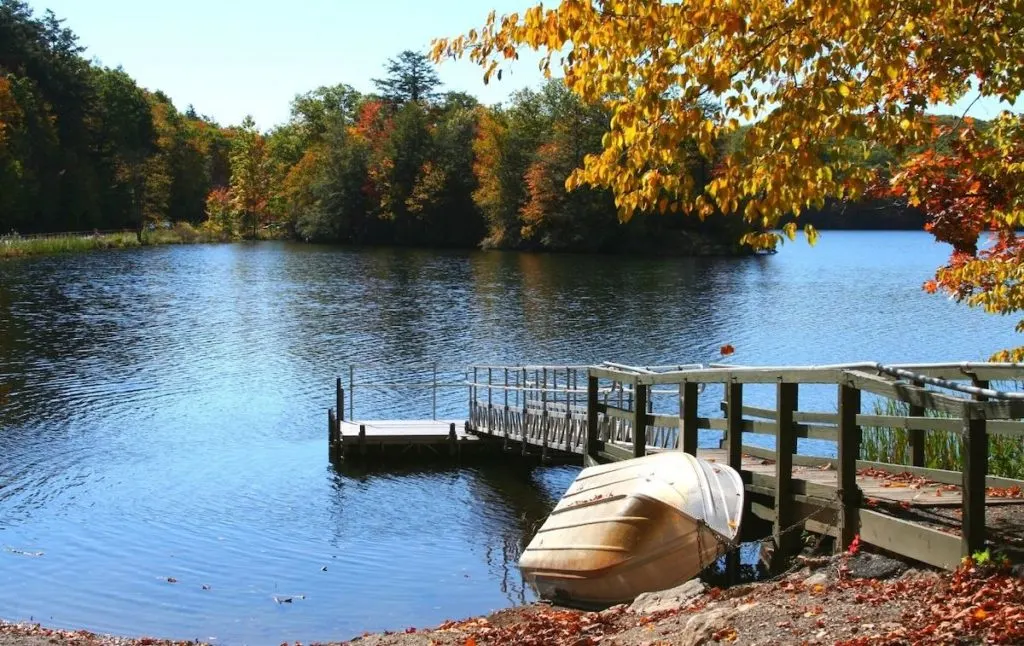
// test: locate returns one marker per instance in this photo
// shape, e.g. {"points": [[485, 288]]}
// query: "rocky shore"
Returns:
{"points": [[851, 599]]}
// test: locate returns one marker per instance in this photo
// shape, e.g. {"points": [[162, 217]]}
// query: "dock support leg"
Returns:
{"points": [[975, 452], [593, 443], [688, 417], [362, 440], [785, 536], [639, 419], [339, 397], [849, 452], [734, 438], [453, 441]]}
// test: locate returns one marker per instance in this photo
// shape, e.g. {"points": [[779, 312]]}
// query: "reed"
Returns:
{"points": [[941, 450]]}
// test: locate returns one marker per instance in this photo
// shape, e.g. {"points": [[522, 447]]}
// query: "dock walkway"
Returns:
{"points": [[610, 412]]}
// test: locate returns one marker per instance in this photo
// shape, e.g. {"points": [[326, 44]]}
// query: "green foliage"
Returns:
{"points": [[411, 77]]}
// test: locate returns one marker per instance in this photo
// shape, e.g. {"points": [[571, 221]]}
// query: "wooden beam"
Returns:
{"points": [[909, 539], [902, 391], [783, 534], [734, 417], [975, 459], [917, 434], [688, 392], [593, 438], [639, 419], [849, 451]]}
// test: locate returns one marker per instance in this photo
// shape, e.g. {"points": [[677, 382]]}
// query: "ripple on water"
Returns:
{"points": [[167, 405]]}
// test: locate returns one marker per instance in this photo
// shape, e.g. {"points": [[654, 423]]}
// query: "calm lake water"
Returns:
{"points": [[167, 413]]}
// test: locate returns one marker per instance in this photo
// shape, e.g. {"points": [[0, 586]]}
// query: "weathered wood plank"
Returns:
{"points": [[849, 450], [639, 419], [785, 538], [688, 392], [734, 429], [909, 539], [902, 391]]}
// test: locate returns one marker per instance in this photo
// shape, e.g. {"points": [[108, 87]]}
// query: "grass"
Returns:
{"points": [[15, 246], [941, 450]]}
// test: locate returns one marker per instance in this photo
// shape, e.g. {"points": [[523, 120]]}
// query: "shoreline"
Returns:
{"points": [[849, 599]]}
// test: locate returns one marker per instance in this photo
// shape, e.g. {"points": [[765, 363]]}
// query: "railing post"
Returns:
{"points": [[351, 391], [339, 397], [330, 435], [916, 435], [734, 423], [849, 440], [688, 417], [639, 418], [506, 417], [785, 438], [975, 452], [362, 439], [453, 440], [544, 416], [593, 444], [490, 402]]}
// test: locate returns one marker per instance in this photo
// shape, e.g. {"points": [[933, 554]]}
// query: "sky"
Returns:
{"points": [[230, 58]]}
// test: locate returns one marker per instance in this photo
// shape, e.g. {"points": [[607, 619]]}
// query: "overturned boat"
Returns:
{"points": [[635, 526]]}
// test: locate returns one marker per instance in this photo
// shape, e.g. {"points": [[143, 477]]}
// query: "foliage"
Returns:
{"points": [[250, 176], [806, 78], [410, 78], [84, 147]]}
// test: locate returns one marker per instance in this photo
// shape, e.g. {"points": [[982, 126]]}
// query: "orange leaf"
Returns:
{"points": [[727, 349], [979, 613]]}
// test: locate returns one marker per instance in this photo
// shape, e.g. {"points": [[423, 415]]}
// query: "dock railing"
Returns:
{"points": [[961, 392]]}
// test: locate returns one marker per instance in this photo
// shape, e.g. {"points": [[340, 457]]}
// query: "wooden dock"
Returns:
{"points": [[605, 413]]}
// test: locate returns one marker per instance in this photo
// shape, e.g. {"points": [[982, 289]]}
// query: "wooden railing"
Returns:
{"points": [[975, 411]]}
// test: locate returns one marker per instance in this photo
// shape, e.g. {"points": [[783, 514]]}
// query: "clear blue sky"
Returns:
{"points": [[230, 58]]}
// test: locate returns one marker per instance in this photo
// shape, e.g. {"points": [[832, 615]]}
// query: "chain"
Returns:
{"points": [[734, 545]]}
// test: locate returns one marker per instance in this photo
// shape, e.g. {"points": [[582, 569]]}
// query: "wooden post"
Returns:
{"points": [[975, 452], [506, 419], [453, 440], [362, 439], [434, 399], [688, 417], [734, 423], [330, 435], [544, 416], [593, 439], [784, 536], [351, 392], [339, 397], [639, 419], [849, 440], [916, 435]]}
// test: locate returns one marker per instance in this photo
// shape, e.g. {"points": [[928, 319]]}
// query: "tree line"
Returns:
{"points": [[84, 147]]}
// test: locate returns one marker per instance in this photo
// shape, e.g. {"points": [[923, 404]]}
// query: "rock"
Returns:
{"points": [[1018, 570], [702, 626], [614, 611], [818, 578], [875, 566], [672, 599]]}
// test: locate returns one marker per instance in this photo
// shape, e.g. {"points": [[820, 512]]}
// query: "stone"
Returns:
{"points": [[671, 599], [700, 628], [818, 578], [875, 566]]}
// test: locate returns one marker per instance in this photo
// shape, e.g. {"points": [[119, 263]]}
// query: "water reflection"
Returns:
{"points": [[166, 412]]}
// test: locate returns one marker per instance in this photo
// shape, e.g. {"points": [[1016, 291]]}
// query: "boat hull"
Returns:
{"points": [[635, 526]]}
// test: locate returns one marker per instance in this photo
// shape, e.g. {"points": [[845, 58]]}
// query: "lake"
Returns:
{"points": [[166, 419]]}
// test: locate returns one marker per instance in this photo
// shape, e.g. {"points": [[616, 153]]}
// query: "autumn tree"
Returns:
{"points": [[804, 77]]}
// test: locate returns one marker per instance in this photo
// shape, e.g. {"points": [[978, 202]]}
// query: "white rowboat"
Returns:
{"points": [[635, 526]]}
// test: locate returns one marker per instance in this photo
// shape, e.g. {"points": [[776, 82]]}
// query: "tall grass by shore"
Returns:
{"points": [[16, 246], [941, 450]]}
